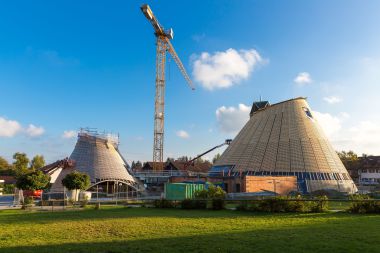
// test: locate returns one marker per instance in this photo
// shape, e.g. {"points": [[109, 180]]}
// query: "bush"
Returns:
{"points": [[84, 202], [364, 204], [27, 202], [285, 204], [218, 204], [297, 206], [213, 192], [243, 206], [330, 193], [163, 203], [9, 188], [375, 195], [273, 205], [202, 194], [320, 205], [193, 204]]}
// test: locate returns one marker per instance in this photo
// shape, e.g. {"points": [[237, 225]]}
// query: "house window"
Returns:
{"points": [[364, 171]]}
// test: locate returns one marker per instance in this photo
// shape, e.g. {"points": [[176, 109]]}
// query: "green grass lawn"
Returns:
{"points": [[169, 230]]}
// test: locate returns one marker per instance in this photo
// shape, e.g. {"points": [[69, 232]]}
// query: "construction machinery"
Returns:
{"points": [[191, 162], [163, 45]]}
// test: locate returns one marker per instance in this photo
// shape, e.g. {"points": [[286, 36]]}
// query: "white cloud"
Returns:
{"points": [[9, 128], [332, 99], [330, 124], [69, 134], [224, 69], [183, 134], [303, 78], [344, 115], [231, 119], [362, 137], [34, 131]]}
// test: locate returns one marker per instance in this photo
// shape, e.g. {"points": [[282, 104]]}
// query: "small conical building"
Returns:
{"points": [[96, 154], [285, 139]]}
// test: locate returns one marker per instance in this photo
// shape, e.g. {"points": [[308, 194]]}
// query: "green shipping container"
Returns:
{"points": [[181, 191]]}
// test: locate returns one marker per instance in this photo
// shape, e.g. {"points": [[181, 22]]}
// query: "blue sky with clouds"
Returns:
{"points": [[71, 64]]}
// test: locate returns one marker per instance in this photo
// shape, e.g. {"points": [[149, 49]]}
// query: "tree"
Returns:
{"points": [[199, 160], [169, 159], [4, 165], [33, 180], [136, 166], [351, 162], [349, 159], [37, 162], [76, 181], [216, 157], [183, 159], [21, 162]]}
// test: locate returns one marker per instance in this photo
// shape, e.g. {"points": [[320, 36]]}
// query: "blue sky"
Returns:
{"points": [[71, 64]]}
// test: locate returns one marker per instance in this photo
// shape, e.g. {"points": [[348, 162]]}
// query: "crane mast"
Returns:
{"points": [[163, 45]]}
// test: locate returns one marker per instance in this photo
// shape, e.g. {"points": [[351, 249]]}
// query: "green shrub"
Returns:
{"points": [[193, 204], [218, 204], [297, 206], [163, 203], [201, 194], [9, 188], [286, 204], [187, 204], [375, 195], [84, 202], [213, 192], [243, 206], [320, 205], [27, 202], [330, 193], [364, 204]]}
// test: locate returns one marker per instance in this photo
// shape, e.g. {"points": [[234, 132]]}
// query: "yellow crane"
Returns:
{"points": [[163, 45]]}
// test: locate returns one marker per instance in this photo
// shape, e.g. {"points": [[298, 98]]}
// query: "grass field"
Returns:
{"points": [[121, 229]]}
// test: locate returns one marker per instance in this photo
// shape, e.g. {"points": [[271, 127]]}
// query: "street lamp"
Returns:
{"points": [[119, 186]]}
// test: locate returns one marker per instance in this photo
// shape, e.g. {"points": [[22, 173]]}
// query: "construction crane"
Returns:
{"points": [[163, 45], [191, 162]]}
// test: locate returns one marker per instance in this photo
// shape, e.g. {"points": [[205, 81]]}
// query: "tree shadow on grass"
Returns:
{"points": [[308, 238], [118, 212]]}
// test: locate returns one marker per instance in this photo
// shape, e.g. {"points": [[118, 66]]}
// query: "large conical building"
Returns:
{"points": [[96, 154], [285, 139]]}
